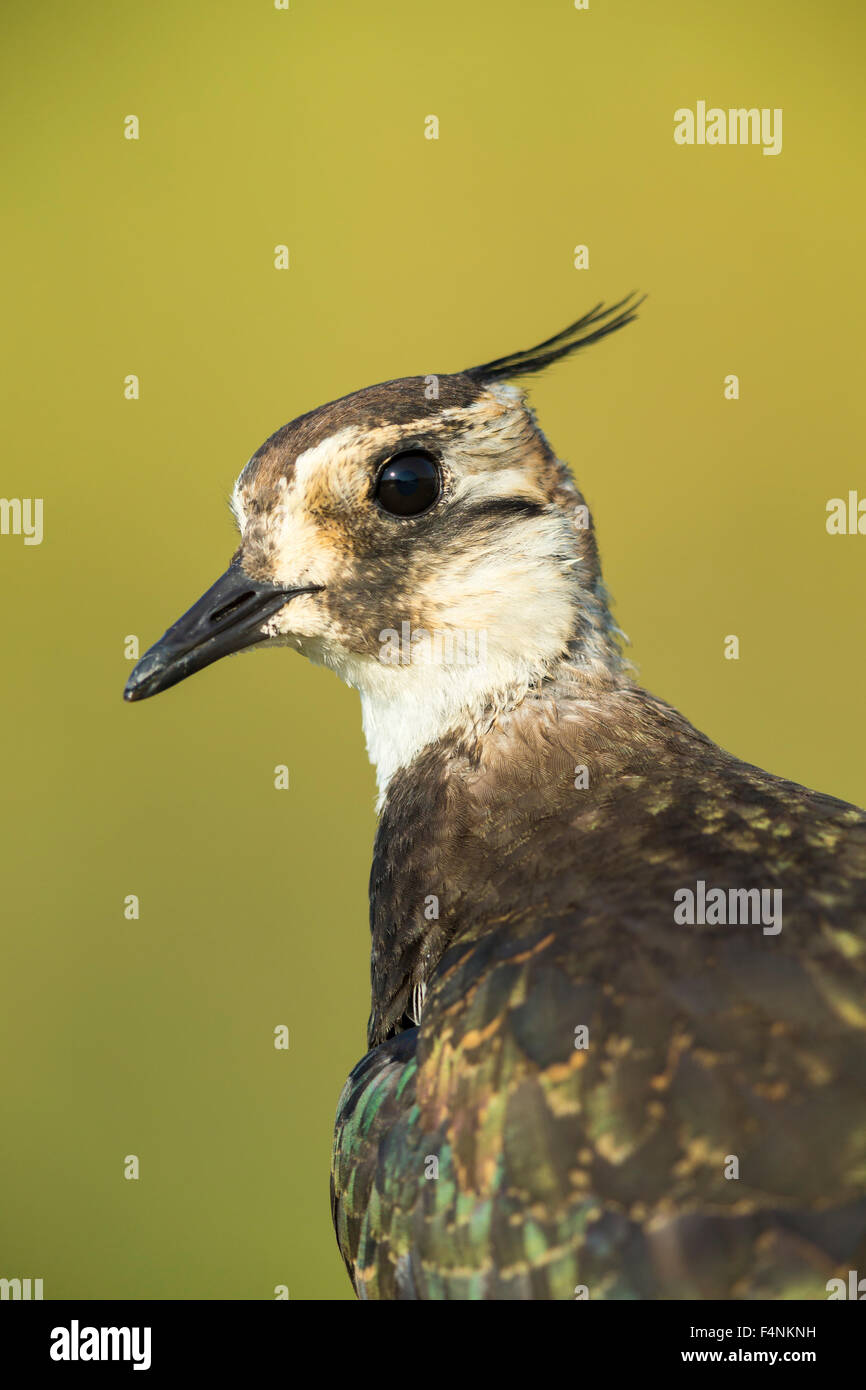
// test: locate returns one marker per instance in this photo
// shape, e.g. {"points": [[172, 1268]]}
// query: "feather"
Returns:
{"points": [[597, 324]]}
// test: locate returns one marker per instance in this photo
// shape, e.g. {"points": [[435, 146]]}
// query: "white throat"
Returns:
{"points": [[407, 708], [421, 707]]}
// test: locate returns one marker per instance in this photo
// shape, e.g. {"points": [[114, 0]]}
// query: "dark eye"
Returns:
{"points": [[408, 484]]}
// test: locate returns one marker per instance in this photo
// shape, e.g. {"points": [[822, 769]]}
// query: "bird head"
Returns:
{"points": [[421, 539]]}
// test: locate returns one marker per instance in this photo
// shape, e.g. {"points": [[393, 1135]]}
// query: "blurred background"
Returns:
{"points": [[155, 257]]}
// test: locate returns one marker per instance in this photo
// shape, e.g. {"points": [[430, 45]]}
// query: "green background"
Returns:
{"points": [[408, 255]]}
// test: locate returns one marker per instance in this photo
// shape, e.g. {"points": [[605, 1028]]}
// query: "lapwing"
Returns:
{"points": [[617, 1039]]}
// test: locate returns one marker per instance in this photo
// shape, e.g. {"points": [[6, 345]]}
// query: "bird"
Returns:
{"points": [[617, 1038]]}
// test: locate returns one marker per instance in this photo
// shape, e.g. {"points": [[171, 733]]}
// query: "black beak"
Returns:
{"points": [[226, 619]]}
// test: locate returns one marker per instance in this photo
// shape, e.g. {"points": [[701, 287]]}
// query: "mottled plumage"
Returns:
{"points": [[604, 1166], [562, 1074]]}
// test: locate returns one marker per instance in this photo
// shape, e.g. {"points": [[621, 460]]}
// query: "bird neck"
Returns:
{"points": [[445, 849], [433, 703]]}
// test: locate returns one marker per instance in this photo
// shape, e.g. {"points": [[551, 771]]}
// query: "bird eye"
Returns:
{"points": [[408, 484]]}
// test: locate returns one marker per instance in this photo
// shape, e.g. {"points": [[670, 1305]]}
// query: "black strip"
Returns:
{"points": [[501, 506]]}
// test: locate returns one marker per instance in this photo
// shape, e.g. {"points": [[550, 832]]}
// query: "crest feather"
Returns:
{"points": [[595, 325]]}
